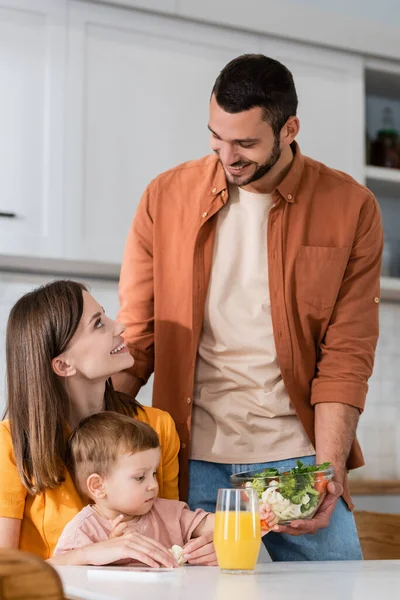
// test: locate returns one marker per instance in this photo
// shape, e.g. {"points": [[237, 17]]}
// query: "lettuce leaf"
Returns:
{"points": [[293, 484]]}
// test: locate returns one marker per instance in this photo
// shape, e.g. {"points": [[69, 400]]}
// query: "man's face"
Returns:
{"points": [[244, 143]]}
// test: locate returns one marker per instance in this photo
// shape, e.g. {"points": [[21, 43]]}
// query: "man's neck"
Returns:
{"points": [[267, 184]]}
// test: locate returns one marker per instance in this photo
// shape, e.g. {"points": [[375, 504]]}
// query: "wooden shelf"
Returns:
{"points": [[382, 174], [382, 181], [371, 487]]}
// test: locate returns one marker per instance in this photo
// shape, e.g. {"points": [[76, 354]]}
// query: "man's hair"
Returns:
{"points": [[99, 440], [253, 80]]}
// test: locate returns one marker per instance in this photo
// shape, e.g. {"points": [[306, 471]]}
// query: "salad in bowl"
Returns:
{"points": [[290, 495]]}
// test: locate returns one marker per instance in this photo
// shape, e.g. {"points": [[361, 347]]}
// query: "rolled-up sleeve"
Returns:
{"points": [[136, 290], [347, 352]]}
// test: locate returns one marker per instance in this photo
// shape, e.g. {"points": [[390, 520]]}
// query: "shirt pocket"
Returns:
{"points": [[319, 272]]}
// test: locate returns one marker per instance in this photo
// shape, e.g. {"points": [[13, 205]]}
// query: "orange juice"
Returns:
{"points": [[237, 539]]}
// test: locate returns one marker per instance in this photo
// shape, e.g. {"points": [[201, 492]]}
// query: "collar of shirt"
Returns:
{"points": [[287, 188]]}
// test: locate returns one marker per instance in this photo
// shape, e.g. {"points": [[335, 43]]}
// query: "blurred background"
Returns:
{"points": [[98, 97]]}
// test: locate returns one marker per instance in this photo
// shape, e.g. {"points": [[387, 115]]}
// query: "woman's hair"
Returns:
{"points": [[253, 80], [40, 327], [99, 440]]}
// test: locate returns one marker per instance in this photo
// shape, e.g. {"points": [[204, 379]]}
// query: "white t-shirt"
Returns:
{"points": [[242, 412]]}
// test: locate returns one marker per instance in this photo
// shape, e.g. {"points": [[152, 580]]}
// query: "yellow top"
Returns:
{"points": [[44, 516]]}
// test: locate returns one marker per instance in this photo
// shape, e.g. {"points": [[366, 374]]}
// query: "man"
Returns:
{"points": [[251, 282]]}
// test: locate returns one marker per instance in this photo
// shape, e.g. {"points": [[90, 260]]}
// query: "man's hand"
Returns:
{"points": [[127, 383], [200, 551], [322, 517]]}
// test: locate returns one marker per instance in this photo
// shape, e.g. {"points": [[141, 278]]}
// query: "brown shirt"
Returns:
{"points": [[324, 251]]}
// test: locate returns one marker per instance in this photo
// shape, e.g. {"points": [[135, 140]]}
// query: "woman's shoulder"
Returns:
{"points": [[6, 445], [155, 417], [5, 433], [9, 471]]}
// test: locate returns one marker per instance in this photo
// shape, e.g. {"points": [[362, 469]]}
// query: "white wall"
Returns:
{"points": [[386, 12], [379, 429], [368, 26]]}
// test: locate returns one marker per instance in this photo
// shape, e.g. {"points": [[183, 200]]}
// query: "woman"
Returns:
{"points": [[61, 352]]}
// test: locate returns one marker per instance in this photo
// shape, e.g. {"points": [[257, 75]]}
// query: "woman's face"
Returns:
{"points": [[97, 349]]}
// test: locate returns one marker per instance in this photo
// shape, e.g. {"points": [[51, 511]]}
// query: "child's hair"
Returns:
{"points": [[98, 442], [40, 327]]}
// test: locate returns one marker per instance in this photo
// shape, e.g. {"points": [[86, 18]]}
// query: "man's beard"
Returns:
{"points": [[261, 169]]}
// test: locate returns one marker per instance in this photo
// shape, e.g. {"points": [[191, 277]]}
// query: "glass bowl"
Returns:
{"points": [[291, 495]]}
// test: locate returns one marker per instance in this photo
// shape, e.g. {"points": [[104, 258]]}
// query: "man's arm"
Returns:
{"points": [[136, 294], [127, 383], [335, 430], [346, 360], [347, 352]]}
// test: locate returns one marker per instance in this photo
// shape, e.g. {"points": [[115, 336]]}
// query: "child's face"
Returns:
{"points": [[93, 352], [132, 487]]}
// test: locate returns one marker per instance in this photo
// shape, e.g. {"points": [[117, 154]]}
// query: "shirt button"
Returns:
{"points": [[289, 196], [214, 190], [188, 400], [376, 300], [183, 445], [204, 215]]}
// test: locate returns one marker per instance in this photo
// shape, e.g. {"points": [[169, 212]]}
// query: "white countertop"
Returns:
{"points": [[390, 286], [59, 266], [364, 580]]}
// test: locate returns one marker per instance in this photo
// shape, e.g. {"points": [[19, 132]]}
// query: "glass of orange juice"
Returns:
{"points": [[237, 533]]}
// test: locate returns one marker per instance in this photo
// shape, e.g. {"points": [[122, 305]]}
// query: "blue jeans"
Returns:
{"points": [[339, 541]]}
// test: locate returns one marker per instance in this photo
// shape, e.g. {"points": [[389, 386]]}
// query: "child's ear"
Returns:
{"points": [[95, 486], [62, 366]]}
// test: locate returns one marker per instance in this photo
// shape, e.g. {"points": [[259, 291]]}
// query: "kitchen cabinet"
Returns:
{"points": [[97, 100], [138, 92], [331, 97], [32, 67], [137, 104]]}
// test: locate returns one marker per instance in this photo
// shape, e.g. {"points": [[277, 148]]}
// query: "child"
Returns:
{"points": [[113, 460], [61, 351]]}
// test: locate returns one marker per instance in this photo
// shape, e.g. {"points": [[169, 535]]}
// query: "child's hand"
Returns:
{"points": [[132, 546], [200, 550], [267, 517], [118, 527]]}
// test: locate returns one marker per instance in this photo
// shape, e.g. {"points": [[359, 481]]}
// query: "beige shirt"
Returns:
{"points": [[242, 412]]}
